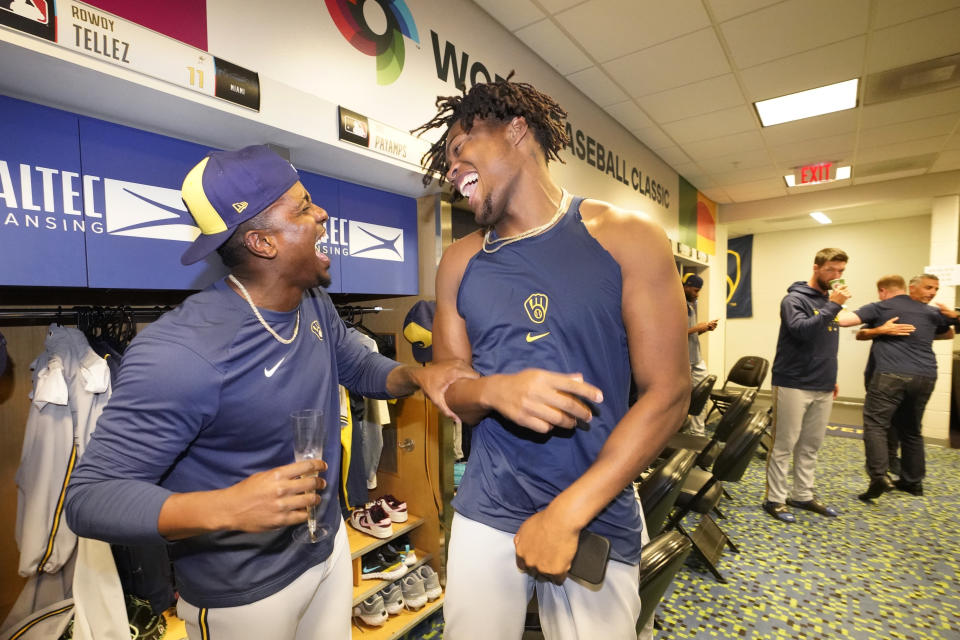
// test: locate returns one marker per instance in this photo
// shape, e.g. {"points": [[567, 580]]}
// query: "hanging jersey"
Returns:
{"points": [[551, 301]]}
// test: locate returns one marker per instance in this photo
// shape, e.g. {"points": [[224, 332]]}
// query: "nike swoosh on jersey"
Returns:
{"points": [[269, 372], [531, 337]]}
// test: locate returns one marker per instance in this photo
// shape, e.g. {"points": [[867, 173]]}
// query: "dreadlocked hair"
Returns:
{"points": [[500, 100]]}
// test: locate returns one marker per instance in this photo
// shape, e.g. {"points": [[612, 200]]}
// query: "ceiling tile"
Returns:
{"points": [[890, 12], [740, 160], [653, 137], [512, 14], [548, 42], [829, 124], [693, 173], [607, 29], [900, 150], [827, 149], [725, 9], [947, 161], [718, 195], [673, 156], [630, 115], [792, 27], [597, 86], [692, 57], [553, 6], [744, 141], [712, 125], [913, 108], [924, 39], [758, 190], [953, 142], [913, 130], [833, 63], [741, 176], [693, 99], [889, 176]]}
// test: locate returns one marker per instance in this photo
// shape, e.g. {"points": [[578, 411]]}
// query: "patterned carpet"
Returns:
{"points": [[890, 570]]}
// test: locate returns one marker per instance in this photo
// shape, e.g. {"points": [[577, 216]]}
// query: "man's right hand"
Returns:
{"points": [[274, 498], [891, 328], [840, 294], [541, 400]]}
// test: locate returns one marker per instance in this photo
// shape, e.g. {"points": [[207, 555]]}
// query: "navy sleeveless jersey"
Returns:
{"points": [[552, 302]]}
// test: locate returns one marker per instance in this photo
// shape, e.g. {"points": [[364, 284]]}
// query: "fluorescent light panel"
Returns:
{"points": [[821, 217], [809, 103]]}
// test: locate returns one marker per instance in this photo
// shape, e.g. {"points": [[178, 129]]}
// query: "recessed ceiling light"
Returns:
{"points": [[843, 173], [821, 217], [809, 103]]}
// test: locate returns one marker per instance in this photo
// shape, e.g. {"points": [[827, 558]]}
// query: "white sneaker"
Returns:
{"points": [[392, 507], [414, 595], [431, 582], [372, 611], [373, 521]]}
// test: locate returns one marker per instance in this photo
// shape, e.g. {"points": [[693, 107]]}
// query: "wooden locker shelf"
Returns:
{"points": [[397, 625], [369, 587]]}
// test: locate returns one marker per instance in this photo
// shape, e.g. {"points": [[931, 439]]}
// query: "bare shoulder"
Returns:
{"points": [[457, 255], [623, 231]]}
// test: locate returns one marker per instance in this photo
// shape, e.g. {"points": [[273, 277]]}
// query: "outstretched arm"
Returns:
{"points": [[888, 328]]}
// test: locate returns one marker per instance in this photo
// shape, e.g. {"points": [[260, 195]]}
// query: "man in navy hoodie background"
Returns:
{"points": [[805, 383]]}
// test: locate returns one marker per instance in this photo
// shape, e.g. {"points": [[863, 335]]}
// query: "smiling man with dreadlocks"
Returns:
{"points": [[554, 303]]}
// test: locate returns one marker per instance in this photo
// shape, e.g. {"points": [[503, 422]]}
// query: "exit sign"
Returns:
{"points": [[815, 173]]}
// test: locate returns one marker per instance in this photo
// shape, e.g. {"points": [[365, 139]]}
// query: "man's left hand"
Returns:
{"points": [[435, 378], [545, 547], [947, 311]]}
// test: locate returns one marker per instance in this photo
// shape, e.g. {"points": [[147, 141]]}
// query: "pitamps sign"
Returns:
{"points": [[86, 203]]}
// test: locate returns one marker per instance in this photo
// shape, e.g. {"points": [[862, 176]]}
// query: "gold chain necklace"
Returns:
{"points": [[492, 246], [256, 312]]}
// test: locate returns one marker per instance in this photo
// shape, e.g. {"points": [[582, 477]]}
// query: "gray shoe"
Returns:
{"points": [[371, 611], [431, 582], [392, 598], [414, 595]]}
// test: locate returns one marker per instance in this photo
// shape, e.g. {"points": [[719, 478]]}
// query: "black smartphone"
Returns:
{"points": [[590, 562]]}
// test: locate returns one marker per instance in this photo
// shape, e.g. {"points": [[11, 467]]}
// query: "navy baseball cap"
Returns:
{"points": [[418, 329], [693, 280], [228, 188]]}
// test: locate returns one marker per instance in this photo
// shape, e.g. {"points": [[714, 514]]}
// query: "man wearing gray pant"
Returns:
{"points": [[805, 383]]}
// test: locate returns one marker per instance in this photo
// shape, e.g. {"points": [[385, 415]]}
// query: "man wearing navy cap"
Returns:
{"points": [[195, 448], [692, 283]]}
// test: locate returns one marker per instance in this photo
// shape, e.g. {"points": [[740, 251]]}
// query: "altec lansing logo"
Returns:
{"points": [[386, 44], [57, 200], [363, 240]]}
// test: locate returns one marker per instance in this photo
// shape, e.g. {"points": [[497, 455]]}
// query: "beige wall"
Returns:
{"points": [[877, 248]]}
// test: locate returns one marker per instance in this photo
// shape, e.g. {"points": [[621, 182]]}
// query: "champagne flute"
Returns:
{"points": [[308, 434]]}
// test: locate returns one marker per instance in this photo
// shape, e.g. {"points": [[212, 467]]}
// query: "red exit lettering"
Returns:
{"points": [[815, 173]]}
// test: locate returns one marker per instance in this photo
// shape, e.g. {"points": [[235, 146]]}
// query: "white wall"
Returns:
{"points": [[877, 248]]}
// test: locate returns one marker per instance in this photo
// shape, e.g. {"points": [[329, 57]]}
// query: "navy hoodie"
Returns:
{"points": [[809, 336]]}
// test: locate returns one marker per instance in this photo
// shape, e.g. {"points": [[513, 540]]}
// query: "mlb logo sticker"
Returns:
{"points": [[35, 10]]}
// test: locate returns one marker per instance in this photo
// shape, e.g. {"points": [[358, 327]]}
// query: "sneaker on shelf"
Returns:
{"points": [[392, 596], [414, 595], [394, 508], [402, 548], [373, 521], [372, 611], [431, 582], [382, 565]]}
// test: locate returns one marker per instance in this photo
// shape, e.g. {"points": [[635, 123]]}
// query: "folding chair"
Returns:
{"points": [[748, 372], [702, 491], [658, 492], [660, 560], [706, 447]]}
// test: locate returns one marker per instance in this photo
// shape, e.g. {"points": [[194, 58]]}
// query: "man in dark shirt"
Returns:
{"points": [[904, 374]]}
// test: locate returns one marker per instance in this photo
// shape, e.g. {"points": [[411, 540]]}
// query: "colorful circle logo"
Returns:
{"points": [[387, 46]]}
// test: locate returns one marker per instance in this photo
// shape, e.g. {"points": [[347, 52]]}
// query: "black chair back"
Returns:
{"points": [[658, 492], [700, 394], [660, 560], [733, 461], [748, 371], [734, 415]]}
